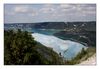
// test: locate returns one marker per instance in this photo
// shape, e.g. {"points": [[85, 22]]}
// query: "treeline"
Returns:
{"points": [[21, 49]]}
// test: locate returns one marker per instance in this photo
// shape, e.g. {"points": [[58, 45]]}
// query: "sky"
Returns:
{"points": [[34, 13]]}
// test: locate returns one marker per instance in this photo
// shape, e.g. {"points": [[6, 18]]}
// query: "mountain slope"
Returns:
{"points": [[90, 26]]}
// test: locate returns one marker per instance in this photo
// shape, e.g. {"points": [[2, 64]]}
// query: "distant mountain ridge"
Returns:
{"points": [[56, 25]]}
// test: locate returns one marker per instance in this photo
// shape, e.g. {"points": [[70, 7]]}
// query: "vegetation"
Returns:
{"points": [[83, 55], [21, 49], [83, 36]]}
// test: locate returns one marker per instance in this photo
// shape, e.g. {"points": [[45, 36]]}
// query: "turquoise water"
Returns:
{"points": [[68, 49], [45, 31]]}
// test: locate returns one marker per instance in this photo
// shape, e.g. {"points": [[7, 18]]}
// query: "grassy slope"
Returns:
{"points": [[83, 55]]}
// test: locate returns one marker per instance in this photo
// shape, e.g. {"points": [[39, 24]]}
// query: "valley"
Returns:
{"points": [[67, 39]]}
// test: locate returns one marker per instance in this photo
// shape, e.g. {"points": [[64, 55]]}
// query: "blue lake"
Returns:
{"points": [[68, 49], [45, 31]]}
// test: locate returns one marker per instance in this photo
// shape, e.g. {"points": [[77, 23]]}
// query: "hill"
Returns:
{"points": [[21, 49], [90, 26]]}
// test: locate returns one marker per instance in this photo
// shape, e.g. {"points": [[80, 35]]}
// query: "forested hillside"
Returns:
{"points": [[21, 49]]}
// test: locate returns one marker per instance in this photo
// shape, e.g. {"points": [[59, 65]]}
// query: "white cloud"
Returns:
{"points": [[51, 12], [47, 10], [66, 6], [78, 9], [21, 9], [26, 10], [88, 10]]}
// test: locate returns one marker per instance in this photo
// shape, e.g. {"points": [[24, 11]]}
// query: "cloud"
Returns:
{"points": [[22, 9], [86, 9], [67, 6], [78, 9], [62, 11], [25, 10], [50, 12], [17, 9], [48, 8]]}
